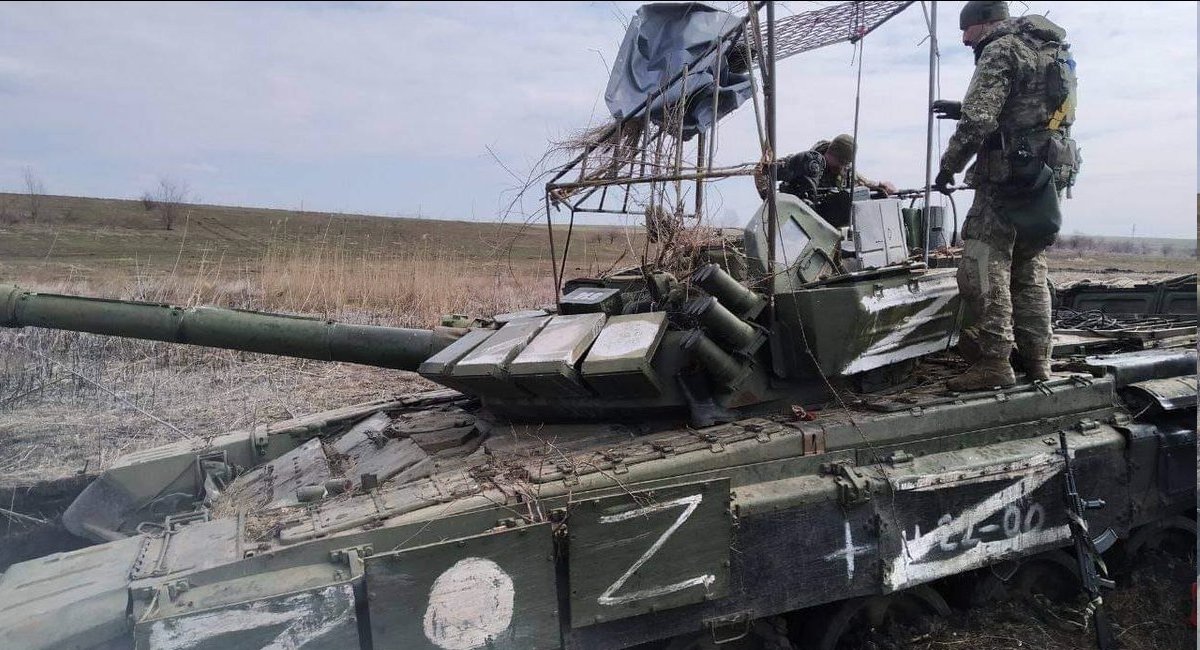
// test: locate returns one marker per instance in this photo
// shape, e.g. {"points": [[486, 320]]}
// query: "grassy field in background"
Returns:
{"points": [[71, 401], [292, 261], [85, 233], [110, 245]]}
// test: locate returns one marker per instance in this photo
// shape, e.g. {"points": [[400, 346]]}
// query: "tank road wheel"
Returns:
{"points": [[1174, 537], [854, 621], [1053, 574]]}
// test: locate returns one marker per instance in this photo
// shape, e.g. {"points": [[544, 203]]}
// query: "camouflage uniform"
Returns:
{"points": [[1002, 278], [831, 178], [808, 172]]}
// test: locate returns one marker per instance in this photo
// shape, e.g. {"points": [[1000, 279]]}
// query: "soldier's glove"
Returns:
{"points": [[943, 182], [946, 109]]}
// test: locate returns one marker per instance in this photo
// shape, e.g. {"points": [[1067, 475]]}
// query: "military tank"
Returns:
{"points": [[753, 454]]}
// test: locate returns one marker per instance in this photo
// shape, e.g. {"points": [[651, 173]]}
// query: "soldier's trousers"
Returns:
{"points": [[1002, 280]]}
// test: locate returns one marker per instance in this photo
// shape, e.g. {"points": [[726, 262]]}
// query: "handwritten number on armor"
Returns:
{"points": [[1013, 522]]}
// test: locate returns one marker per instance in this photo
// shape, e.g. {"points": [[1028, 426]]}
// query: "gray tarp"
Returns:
{"points": [[661, 40]]}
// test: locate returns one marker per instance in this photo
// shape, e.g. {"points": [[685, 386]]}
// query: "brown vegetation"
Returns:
{"points": [[1143, 246], [71, 402], [68, 400], [34, 189]]}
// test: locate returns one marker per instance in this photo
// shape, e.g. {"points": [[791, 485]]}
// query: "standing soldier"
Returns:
{"points": [[1015, 120]]}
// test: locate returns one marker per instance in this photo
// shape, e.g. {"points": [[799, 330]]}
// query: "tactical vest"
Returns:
{"points": [[1060, 152], [1054, 58], [1037, 115]]}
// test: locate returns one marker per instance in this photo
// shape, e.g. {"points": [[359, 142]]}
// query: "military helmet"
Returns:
{"points": [[842, 148], [978, 12]]}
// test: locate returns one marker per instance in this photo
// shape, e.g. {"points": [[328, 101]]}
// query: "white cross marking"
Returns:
{"points": [[848, 552]]}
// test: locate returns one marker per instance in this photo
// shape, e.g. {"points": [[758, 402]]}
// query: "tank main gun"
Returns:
{"points": [[250, 331]]}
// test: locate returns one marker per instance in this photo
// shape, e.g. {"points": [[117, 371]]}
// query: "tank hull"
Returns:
{"points": [[542, 537]]}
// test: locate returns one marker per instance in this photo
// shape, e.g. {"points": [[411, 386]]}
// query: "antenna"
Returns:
{"points": [[769, 101], [929, 127]]}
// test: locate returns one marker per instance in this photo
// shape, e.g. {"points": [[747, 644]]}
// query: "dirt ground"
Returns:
{"points": [[1149, 611]]}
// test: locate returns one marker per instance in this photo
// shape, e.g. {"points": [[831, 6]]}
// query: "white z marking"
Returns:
{"points": [[691, 502], [881, 352], [911, 566]]}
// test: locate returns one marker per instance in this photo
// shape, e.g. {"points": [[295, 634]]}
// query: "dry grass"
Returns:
{"points": [[413, 287], [72, 401], [1149, 611]]}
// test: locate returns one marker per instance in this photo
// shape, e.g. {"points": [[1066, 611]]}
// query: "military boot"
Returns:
{"points": [[1036, 369], [983, 374], [968, 348]]}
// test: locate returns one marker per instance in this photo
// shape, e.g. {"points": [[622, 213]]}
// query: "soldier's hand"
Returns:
{"points": [[943, 182], [762, 181], [946, 109]]}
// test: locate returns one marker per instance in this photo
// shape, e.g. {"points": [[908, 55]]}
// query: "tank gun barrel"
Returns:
{"points": [[250, 331]]}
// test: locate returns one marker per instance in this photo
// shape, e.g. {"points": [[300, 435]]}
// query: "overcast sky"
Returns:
{"points": [[391, 108]]}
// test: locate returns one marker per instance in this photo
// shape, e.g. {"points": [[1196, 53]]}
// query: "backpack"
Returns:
{"points": [[1055, 59]]}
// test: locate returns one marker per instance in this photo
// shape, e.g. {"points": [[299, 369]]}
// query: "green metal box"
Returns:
{"points": [[484, 370], [546, 367], [619, 363]]}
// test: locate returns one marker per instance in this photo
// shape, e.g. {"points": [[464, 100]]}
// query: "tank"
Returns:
{"points": [[749, 446], [737, 454]]}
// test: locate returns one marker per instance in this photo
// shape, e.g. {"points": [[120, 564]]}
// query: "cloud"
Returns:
{"points": [[381, 107]]}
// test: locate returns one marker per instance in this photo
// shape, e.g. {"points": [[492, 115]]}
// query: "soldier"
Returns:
{"points": [[1014, 120], [822, 167]]}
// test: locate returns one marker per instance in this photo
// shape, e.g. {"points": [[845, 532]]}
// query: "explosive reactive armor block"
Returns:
{"points": [[878, 233], [618, 365], [484, 370], [546, 366], [438, 367]]}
